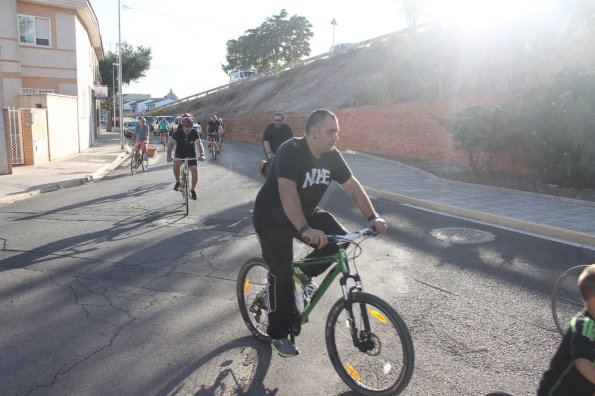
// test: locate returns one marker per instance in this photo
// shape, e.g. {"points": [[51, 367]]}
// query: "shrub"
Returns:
{"points": [[560, 140], [485, 134]]}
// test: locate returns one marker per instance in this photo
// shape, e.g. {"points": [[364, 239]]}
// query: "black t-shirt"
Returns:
{"points": [[312, 175], [276, 136], [213, 126], [185, 144], [562, 377]]}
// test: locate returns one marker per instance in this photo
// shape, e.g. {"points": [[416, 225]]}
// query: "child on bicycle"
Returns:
{"points": [[572, 371]]}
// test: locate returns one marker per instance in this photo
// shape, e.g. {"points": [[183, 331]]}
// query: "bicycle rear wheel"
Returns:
{"points": [[383, 364], [566, 298], [251, 294]]}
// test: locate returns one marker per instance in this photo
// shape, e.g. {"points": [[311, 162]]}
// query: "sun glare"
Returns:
{"points": [[484, 13]]}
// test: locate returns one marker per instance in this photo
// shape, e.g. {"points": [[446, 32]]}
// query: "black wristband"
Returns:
{"points": [[374, 216], [301, 230]]}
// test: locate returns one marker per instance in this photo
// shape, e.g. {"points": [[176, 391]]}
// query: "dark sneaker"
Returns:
{"points": [[177, 187], [284, 347], [193, 193], [308, 284]]}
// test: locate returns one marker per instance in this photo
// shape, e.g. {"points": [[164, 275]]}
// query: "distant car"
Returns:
{"points": [[342, 47], [173, 126], [157, 120], [150, 121], [240, 75], [129, 127]]}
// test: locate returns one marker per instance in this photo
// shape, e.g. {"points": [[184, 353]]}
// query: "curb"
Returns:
{"points": [[95, 176], [49, 188], [566, 235]]}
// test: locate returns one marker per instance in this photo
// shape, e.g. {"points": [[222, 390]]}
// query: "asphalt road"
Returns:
{"points": [[108, 289]]}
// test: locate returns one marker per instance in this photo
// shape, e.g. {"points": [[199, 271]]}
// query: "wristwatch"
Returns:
{"points": [[374, 216]]}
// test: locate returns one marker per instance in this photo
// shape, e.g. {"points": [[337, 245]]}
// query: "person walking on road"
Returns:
{"points": [[286, 208], [275, 134]]}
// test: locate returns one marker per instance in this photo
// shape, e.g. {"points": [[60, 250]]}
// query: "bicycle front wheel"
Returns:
{"points": [[252, 298], [566, 298], [185, 192], [214, 150], [133, 163], [383, 362]]}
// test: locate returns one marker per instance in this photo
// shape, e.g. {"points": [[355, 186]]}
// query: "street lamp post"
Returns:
{"points": [[114, 91], [334, 23], [120, 77]]}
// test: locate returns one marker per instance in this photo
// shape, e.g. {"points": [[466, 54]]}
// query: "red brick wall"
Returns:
{"points": [[408, 129]]}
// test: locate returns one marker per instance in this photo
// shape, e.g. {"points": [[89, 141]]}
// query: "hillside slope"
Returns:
{"points": [[436, 64]]}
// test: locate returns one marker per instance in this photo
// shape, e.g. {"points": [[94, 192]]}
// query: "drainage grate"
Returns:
{"points": [[462, 235]]}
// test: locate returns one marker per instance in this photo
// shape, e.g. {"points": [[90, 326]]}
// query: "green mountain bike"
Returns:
{"points": [[368, 343]]}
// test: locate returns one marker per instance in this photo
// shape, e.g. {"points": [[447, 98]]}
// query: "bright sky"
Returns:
{"points": [[188, 38]]}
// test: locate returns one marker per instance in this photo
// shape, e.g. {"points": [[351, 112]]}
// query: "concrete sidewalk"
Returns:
{"points": [[90, 165], [555, 217]]}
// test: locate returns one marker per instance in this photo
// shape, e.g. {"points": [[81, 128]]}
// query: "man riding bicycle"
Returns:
{"points": [[186, 141], [286, 208], [214, 133], [163, 129], [141, 134]]}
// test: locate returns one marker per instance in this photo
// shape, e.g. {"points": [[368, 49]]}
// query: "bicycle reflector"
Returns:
{"points": [[378, 316], [353, 372]]}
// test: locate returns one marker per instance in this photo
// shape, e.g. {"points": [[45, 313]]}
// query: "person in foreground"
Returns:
{"points": [[572, 371], [186, 141], [286, 208]]}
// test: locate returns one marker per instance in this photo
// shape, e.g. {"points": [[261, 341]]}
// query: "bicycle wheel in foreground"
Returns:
{"points": [[383, 364], [566, 298], [251, 294]]}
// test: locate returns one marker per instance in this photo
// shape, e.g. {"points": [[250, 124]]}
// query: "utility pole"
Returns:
{"points": [[120, 77]]}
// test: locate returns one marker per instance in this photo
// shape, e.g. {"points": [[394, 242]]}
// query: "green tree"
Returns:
{"points": [[412, 10], [277, 42], [135, 63]]}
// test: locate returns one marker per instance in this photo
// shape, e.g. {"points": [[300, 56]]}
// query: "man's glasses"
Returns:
{"points": [[277, 120]]}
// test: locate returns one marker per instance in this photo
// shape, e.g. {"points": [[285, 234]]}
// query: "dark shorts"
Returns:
{"points": [[190, 162]]}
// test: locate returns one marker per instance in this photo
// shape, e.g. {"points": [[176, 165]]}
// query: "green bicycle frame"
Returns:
{"points": [[342, 267]]}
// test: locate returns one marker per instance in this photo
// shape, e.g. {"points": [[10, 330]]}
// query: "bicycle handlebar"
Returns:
{"points": [[351, 237]]}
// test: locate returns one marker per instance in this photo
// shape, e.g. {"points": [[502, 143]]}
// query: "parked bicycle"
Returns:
{"points": [[566, 298], [368, 343], [138, 158], [185, 181]]}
